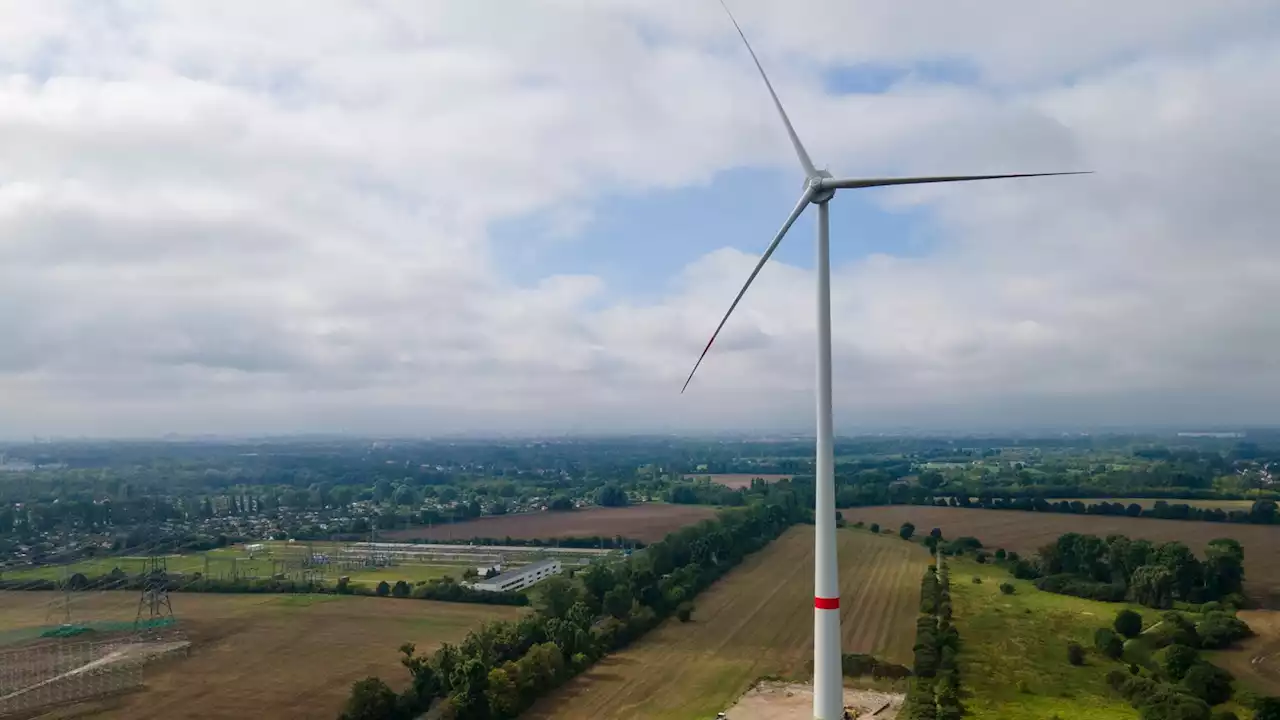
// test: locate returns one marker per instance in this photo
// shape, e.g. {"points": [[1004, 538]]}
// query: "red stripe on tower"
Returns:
{"points": [[827, 603]]}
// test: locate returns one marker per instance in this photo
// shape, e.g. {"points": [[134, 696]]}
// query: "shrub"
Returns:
{"points": [[383, 589], [1128, 623], [1178, 659], [906, 531], [875, 527], [1075, 653], [1108, 643], [1116, 679], [684, 611], [1208, 682], [1224, 715], [1219, 629], [977, 580], [1000, 554], [400, 589], [1007, 588]]}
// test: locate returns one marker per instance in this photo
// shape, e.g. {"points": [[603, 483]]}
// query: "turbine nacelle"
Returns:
{"points": [[813, 186]]}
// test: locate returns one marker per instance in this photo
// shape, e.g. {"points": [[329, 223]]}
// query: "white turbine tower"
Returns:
{"points": [[819, 188]]}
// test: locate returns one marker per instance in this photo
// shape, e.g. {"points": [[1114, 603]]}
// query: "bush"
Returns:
{"points": [[383, 589], [875, 527], [1128, 623], [371, 699], [977, 580], [1108, 643], [906, 531], [1208, 682], [1178, 659], [1007, 588], [1220, 629], [1224, 715], [1075, 653], [1116, 679], [1000, 554], [684, 611]]}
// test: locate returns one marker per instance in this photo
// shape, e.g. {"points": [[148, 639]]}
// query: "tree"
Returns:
{"points": [[906, 531], [611, 496], [1108, 643], [1208, 682], [1007, 588], [1128, 623], [936, 533], [1178, 659], [1266, 708], [502, 694], [383, 589], [370, 699], [1152, 585], [1075, 653], [617, 602], [400, 589], [559, 593], [875, 527]]}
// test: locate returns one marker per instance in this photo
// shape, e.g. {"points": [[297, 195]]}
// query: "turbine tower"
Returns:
{"points": [[819, 188]]}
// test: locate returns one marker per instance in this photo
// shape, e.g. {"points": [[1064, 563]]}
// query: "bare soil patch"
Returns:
{"points": [[649, 522], [1025, 532], [794, 701], [1256, 661]]}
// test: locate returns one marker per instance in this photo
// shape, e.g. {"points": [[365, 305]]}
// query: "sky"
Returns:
{"points": [[414, 217]]}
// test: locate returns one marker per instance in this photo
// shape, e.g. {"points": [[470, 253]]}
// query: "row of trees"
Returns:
{"points": [[1262, 512], [502, 667], [935, 692], [1157, 575]]}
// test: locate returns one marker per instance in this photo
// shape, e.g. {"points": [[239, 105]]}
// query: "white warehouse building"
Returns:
{"points": [[521, 577]]}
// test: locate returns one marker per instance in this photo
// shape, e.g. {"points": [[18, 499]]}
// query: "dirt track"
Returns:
{"points": [[1256, 662], [649, 522]]}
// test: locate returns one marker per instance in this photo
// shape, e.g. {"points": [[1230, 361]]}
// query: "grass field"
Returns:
{"points": [[1014, 649], [222, 562], [737, 481], [1028, 531], [649, 522], [276, 656], [756, 621]]}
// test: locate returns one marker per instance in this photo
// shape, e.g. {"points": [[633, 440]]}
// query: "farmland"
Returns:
{"points": [[649, 522], [737, 481], [1147, 503], [279, 656], [1026, 532], [756, 621]]}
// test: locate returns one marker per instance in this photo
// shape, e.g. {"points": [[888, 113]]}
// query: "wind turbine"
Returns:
{"points": [[819, 188]]}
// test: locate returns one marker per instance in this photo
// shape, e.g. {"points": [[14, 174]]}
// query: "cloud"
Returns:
{"points": [[276, 217]]}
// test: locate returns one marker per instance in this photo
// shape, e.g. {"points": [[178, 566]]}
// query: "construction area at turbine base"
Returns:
{"points": [[57, 673]]}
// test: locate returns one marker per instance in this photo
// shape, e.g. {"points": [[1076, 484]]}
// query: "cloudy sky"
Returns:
{"points": [[419, 217]]}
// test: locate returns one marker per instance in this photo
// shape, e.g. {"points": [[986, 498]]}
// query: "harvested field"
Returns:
{"points": [[756, 621], [1224, 505], [1256, 661], [649, 522], [737, 481], [1027, 531], [277, 656]]}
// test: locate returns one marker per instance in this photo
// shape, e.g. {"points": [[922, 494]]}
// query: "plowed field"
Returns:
{"points": [[649, 522], [1027, 531], [756, 621]]}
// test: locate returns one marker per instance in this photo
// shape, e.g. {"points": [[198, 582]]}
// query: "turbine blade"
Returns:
{"points": [[791, 219], [809, 170], [847, 183]]}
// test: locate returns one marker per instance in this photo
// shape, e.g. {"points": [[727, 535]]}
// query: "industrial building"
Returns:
{"points": [[520, 578]]}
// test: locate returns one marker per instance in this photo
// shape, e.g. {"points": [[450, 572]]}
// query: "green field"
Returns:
{"points": [[1014, 649], [232, 562]]}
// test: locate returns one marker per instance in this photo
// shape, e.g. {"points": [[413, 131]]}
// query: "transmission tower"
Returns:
{"points": [[153, 604]]}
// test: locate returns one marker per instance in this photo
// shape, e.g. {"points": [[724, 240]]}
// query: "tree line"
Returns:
{"points": [[1261, 512], [935, 692], [501, 668]]}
